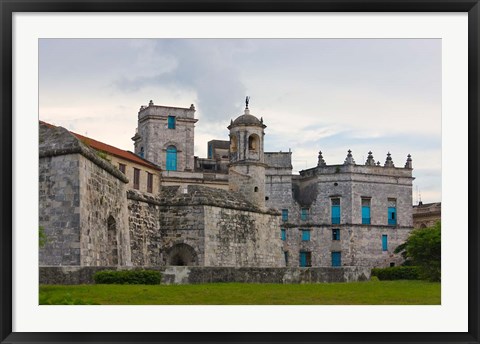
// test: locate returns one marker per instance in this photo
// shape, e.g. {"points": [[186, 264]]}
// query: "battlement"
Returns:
{"points": [[152, 110]]}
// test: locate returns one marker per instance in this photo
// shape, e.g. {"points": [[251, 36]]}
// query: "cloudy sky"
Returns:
{"points": [[332, 95]]}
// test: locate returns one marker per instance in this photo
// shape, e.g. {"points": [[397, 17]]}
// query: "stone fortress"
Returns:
{"points": [[238, 207]]}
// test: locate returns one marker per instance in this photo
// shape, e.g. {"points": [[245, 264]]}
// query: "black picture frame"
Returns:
{"points": [[8, 7]]}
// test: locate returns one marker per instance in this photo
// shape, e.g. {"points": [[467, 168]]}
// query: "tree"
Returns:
{"points": [[423, 249]]}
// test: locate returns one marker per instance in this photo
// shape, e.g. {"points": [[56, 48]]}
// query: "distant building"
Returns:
{"points": [[426, 215]]}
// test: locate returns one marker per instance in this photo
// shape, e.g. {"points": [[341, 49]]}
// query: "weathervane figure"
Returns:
{"points": [[246, 102]]}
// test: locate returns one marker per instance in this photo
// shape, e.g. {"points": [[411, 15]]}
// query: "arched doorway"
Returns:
{"points": [[171, 161], [181, 255], [112, 243]]}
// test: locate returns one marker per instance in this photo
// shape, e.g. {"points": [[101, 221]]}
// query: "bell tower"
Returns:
{"points": [[247, 164]]}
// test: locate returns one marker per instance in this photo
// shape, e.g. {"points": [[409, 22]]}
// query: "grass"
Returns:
{"points": [[355, 293]]}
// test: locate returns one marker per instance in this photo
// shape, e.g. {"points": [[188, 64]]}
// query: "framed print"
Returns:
{"points": [[285, 158]]}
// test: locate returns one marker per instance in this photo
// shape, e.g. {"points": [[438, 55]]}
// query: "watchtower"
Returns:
{"points": [[247, 164]]}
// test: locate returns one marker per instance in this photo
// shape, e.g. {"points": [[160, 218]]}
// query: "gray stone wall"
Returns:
{"points": [[103, 217], [59, 209], [241, 238], [145, 239], [360, 245], [181, 227], [249, 180], [197, 274]]}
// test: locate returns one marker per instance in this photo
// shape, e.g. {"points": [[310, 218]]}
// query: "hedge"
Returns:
{"points": [[397, 273], [127, 277]]}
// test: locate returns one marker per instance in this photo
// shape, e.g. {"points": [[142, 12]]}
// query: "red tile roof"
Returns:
{"points": [[97, 145]]}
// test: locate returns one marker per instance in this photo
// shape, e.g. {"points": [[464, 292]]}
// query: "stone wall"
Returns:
{"points": [[197, 274], [359, 245], [82, 203], [241, 238], [103, 217], [59, 210], [143, 222], [182, 234]]}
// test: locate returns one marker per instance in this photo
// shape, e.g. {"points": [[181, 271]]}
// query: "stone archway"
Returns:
{"points": [[181, 255], [112, 243]]}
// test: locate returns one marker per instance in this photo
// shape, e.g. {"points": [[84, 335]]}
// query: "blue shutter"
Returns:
{"points": [[171, 164], [284, 214], [304, 215], [305, 235], [335, 214], [171, 122], [365, 215], [336, 259], [384, 242], [284, 234], [392, 216], [303, 259]]}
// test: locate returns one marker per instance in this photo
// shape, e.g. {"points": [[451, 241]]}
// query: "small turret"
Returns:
{"points": [[321, 162], [389, 161], [370, 161], [408, 164], [349, 159]]}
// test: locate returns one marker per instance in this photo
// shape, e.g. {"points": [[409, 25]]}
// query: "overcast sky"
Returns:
{"points": [[332, 95]]}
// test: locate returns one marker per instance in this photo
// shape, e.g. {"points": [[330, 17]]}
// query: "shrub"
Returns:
{"points": [[127, 277], [397, 273]]}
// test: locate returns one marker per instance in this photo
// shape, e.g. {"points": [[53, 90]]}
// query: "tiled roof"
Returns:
{"points": [[100, 146]]}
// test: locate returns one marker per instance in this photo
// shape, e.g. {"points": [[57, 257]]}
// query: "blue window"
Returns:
{"points": [[392, 212], [171, 122], [142, 152], [210, 152], [305, 259], [365, 211], [336, 258], [384, 242], [284, 214], [284, 234], [305, 235], [304, 214], [171, 164], [336, 234], [335, 210]]}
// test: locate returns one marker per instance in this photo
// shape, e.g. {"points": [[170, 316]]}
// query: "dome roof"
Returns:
{"points": [[247, 119]]}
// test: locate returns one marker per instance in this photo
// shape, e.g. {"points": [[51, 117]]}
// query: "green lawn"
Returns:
{"points": [[355, 293]]}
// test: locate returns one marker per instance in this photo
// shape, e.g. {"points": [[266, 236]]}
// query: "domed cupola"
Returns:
{"points": [[246, 137], [247, 164]]}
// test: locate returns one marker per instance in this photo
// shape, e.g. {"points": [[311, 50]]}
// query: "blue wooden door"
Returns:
{"points": [[384, 242], [336, 259], [171, 164], [303, 259], [335, 214]]}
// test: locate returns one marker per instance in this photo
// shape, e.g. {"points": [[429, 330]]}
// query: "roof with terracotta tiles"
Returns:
{"points": [[100, 146]]}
